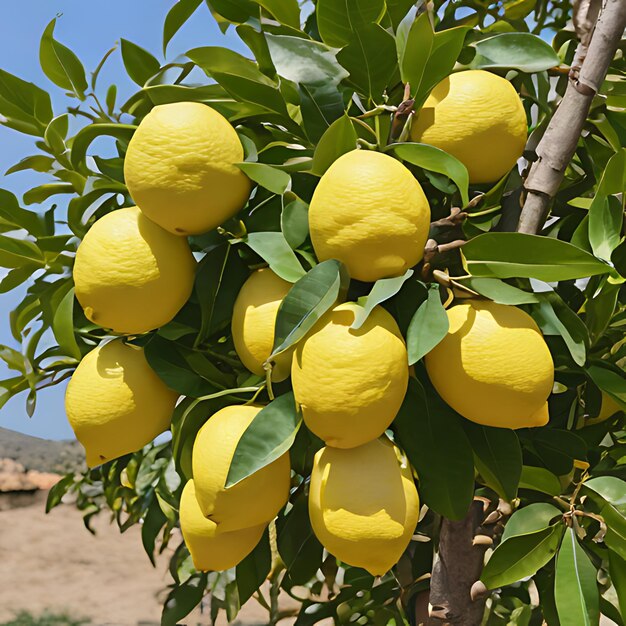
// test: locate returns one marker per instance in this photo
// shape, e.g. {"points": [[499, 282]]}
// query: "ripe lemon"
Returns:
{"points": [[349, 383], [254, 318], [180, 168], [363, 504], [115, 402], [608, 408], [370, 213], [131, 275], [210, 550], [253, 501], [477, 117], [493, 367]]}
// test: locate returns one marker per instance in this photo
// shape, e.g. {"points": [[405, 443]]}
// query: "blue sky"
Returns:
{"points": [[89, 30]]}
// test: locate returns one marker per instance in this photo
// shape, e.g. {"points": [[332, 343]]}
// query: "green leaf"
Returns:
{"points": [[254, 569], [382, 290], [297, 544], [539, 479], [153, 522], [556, 318], [13, 217], [63, 326], [434, 160], [60, 64], [575, 587], [267, 176], [139, 63], [176, 17], [220, 275], [617, 570], [370, 57], [41, 193], [500, 292], [498, 457], [285, 11], [86, 135], [558, 449], [432, 436], [337, 19], [414, 41], [37, 163], [397, 10], [611, 488], [521, 51], [445, 50], [305, 62], [15, 278], [314, 294], [183, 599], [173, 364], [530, 519], [294, 222], [609, 381], [606, 214], [320, 105], [339, 138], [56, 493], [273, 248], [521, 556], [428, 326], [240, 77], [270, 434], [236, 11], [15, 253], [518, 255], [25, 107]]}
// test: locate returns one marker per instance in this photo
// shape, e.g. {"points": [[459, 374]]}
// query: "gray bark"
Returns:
{"points": [[557, 146]]}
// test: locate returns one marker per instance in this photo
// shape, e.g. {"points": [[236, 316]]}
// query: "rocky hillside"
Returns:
{"points": [[42, 455]]}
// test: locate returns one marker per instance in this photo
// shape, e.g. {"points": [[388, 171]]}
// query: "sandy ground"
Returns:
{"points": [[52, 562]]}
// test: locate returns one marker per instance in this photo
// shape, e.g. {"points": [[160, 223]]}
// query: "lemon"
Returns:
{"points": [[370, 213], [210, 550], [477, 117], [180, 168], [253, 501], [115, 402], [363, 504], [349, 384], [131, 275], [254, 318], [493, 367], [608, 408]]}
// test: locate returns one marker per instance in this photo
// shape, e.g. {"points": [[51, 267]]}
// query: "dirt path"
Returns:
{"points": [[52, 562]]}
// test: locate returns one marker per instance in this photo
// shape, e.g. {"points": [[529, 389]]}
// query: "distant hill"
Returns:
{"points": [[43, 455]]}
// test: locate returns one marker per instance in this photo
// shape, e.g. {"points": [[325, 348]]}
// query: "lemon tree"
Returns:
{"points": [[370, 278]]}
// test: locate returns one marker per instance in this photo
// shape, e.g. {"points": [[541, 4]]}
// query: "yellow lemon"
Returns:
{"points": [[370, 213], [363, 504], [131, 275], [608, 408], [210, 550], [115, 402], [180, 168], [493, 367], [477, 117], [254, 318], [349, 384], [253, 501]]}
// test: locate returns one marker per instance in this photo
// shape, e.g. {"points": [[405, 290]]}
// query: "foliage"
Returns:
{"points": [[24, 618], [305, 96]]}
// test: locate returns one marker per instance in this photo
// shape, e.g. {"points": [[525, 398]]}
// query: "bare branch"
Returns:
{"points": [[557, 146]]}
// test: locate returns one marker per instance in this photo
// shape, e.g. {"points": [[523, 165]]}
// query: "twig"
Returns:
{"points": [[558, 144]]}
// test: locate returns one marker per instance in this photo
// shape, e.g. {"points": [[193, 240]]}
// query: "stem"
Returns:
{"points": [[558, 144]]}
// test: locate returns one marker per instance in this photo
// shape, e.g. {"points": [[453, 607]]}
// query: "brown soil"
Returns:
{"points": [[52, 562]]}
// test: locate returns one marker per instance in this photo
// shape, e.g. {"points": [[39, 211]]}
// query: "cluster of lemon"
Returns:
{"points": [[134, 270]]}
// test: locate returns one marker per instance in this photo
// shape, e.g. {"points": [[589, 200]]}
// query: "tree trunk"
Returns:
{"points": [[558, 144], [457, 597]]}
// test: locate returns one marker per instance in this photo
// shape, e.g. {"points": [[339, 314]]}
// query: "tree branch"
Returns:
{"points": [[558, 144]]}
